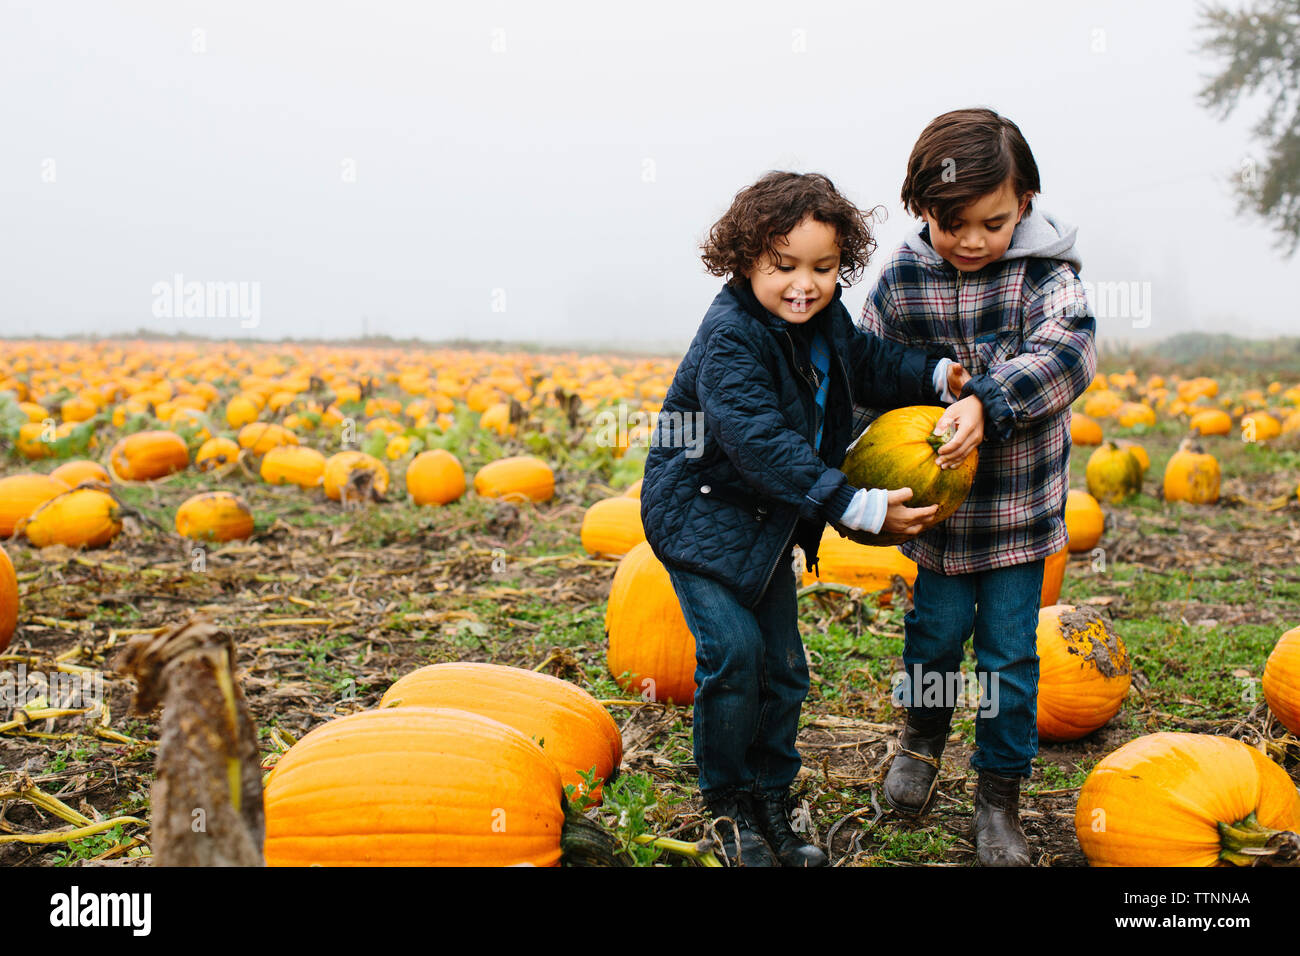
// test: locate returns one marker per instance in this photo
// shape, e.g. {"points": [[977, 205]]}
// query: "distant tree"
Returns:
{"points": [[1261, 49]]}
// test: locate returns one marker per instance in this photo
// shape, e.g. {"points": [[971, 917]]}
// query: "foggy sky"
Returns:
{"points": [[544, 172]]}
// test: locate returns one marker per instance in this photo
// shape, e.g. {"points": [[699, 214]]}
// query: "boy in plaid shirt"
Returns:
{"points": [[996, 281]]}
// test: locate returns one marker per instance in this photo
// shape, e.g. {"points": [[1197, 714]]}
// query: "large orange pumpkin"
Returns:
{"points": [[74, 473], [340, 467], [216, 452], [1084, 520], [8, 600], [1281, 683], [842, 561], [1192, 476], [1083, 672], [1084, 430], [145, 456], [435, 478], [900, 450], [612, 527], [414, 786], [651, 650], [82, 518], [1178, 799], [293, 465], [518, 478], [1211, 421], [1053, 576], [22, 494], [214, 516], [571, 727]]}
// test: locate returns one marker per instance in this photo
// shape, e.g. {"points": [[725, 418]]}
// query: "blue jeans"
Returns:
{"points": [[751, 678], [1001, 608]]}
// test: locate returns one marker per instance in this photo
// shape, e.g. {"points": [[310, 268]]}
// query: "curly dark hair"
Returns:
{"points": [[770, 209]]}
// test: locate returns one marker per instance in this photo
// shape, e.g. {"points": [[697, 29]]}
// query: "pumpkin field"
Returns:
{"points": [[397, 607]]}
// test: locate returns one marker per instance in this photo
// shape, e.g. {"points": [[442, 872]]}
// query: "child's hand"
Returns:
{"points": [[957, 378], [968, 415], [900, 519]]}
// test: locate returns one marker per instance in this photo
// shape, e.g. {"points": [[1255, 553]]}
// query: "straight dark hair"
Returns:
{"points": [[961, 156]]}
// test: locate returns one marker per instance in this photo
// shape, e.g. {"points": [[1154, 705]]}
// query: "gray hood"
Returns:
{"points": [[1037, 235]]}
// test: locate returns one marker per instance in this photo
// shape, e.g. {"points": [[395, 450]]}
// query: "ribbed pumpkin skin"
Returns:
{"points": [[214, 516], [900, 450], [261, 437], [1281, 683], [1083, 672], [8, 600], [1084, 520], [1192, 477], [340, 466], [573, 729], [1161, 797], [521, 477], [84, 518], [1054, 576], [74, 473], [612, 527], [647, 632], [216, 452], [413, 786], [842, 561], [293, 465], [1113, 473], [145, 456], [435, 478], [20, 495]]}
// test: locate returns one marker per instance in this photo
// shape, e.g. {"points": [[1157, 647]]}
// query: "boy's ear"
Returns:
{"points": [[1025, 200]]}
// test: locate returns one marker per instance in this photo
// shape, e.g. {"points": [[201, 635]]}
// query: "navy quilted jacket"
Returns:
{"points": [[731, 480]]}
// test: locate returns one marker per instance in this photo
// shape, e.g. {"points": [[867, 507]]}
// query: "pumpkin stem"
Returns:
{"points": [[1250, 843], [938, 441], [584, 842]]}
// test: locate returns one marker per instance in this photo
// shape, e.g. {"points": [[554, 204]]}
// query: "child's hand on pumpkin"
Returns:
{"points": [[967, 416], [900, 519]]}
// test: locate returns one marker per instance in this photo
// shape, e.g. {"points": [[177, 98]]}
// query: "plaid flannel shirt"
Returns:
{"points": [[1025, 332]]}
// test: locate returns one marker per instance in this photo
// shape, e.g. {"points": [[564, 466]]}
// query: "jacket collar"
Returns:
{"points": [[744, 293]]}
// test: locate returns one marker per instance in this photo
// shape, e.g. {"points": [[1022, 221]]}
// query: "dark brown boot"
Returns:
{"points": [[914, 772], [999, 838], [774, 822]]}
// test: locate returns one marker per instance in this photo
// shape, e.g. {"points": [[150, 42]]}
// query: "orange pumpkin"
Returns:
{"points": [[518, 478], [22, 494], [612, 527], [216, 452], [435, 478], [842, 561], [1178, 799], [1137, 451], [1281, 681], [1083, 672], [1260, 426], [8, 600], [414, 786], [1084, 430], [634, 490], [33, 440], [293, 465], [1192, 476], [82, 518], [261, 437], [145, 456], [214, 516], [571, 727], [1084, 520], [651, 650], [74, 473], [339, 469], [1054, 576], [1211, 421]]}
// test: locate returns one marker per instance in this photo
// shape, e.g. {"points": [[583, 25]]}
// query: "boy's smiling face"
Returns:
{"points": [[982, 233], [802, 281]]}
